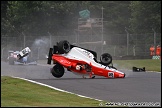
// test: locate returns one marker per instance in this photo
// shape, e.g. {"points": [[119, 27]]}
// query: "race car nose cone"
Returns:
{"points": [[121, 75]]}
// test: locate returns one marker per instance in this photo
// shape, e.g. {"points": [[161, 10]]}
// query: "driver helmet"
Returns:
{"points": [[77, 67]]}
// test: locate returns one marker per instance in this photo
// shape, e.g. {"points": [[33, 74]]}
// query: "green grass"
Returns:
{"points": [[16, 92], [149, 64]]}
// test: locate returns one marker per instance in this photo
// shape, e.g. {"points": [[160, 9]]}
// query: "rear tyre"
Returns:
{"points": [[106, 59], [134, 69], [63, 47], [57, 71]]}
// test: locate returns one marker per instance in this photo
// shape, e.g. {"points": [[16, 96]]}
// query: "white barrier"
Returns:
{"points": [[156, 57]]}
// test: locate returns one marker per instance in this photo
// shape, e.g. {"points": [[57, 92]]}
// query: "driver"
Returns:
{"points": [[80, 67]]}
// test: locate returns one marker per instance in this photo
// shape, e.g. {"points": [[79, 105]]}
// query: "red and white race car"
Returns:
{"points": [[80, 60]]}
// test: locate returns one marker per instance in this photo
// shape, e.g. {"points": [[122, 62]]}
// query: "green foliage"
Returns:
{"points": [[145, 15], [117, 15], [58, 17]]}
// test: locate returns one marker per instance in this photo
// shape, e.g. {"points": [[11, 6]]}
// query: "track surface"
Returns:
{"points": [[136, 87]]}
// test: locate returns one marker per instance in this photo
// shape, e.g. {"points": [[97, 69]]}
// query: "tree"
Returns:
{"points": [[60, 17], [145, 15], [117, 15]]}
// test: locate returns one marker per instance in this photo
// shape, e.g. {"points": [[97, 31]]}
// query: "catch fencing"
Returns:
{"points": [[114, 44]]}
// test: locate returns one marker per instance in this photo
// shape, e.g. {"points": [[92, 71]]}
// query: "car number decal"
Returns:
{"points": [[111, 74]]}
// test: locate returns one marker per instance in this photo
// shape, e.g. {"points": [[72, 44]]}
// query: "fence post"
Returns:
{"points": [[24, 39], [134, 50], [31, 54], [2, 53], [114, 50], [127, 40], [38, 53], [49, 38], [154, 41]]}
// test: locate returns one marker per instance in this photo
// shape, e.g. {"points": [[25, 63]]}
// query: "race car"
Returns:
{"points": [[136, 69], [80, 60], [20, 57]]}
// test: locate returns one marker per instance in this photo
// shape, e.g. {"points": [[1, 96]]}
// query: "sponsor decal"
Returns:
{"points": [[88, 54]]}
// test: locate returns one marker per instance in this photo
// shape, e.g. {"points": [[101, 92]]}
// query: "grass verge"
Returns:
{"points": [[16, 92], [149, 64]]}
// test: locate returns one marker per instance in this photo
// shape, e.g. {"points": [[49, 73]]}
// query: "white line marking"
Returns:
{"points": [[55, 88], [154, 71]]}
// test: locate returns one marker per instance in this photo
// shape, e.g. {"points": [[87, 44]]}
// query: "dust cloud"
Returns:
{"points": [[40, 47], [123, 69]]}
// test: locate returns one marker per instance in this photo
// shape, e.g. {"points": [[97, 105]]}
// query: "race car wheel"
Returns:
{"points": [[49, 56], [63, 46], [57, 71], [106, 59], [19, 56], [11, 60]]}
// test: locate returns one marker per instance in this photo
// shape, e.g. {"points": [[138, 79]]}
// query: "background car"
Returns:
{"points": [[20, 57]]}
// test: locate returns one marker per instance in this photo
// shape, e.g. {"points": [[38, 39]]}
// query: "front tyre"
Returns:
{"points": [[106, 59], [57, 71], [63, 47]]}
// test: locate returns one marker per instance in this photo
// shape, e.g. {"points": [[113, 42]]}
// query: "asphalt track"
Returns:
{"points": [[135, 87]]}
